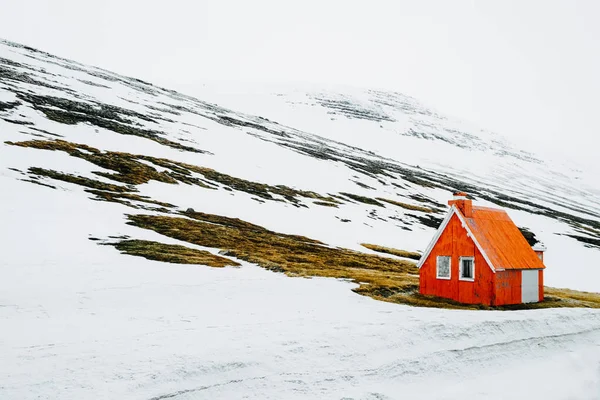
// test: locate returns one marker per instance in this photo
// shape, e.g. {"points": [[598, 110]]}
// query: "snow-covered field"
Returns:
{"points": [[80, 320]]}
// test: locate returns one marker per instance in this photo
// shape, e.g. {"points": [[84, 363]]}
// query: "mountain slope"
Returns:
{"points": [[366, 143], [339, 168]]}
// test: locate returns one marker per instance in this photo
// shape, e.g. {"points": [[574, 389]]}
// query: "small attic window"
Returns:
{"points": [[467, 268], [443, 267]]}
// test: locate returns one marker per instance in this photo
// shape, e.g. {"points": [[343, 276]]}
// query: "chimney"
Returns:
{"points": [[464, 204], [539, 249]]}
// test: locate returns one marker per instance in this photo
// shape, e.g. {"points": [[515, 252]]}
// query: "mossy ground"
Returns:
{"points": [[78, 180], [134, 170], [105, 116], [553, 298], [408, 206], [396, 252], [291, 254], [362, 199], [381, 278], [326, 204], [172, 253]]}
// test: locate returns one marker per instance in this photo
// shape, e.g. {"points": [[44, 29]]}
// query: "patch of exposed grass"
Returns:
{"points": [[408, 206], [38, 183], [242, 225], [10, 74], [126, 198], [362, 199], [6, 106], [261, 190], [388, 250], [172, 253], [593, 231], [133, 169], [45, 132], [418, 181], [17, 122], [78, 180], [408, 294], [105, 116], [127, 168], [426, 200], [572, 298], [589, 242], [291, 254], [102, 191], [363, 185], [553, 298], [381, 278], [427, 220], [326, 204]]}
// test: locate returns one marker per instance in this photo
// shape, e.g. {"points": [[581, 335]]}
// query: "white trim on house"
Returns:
{"points": [[437, 275], [439, 232], [453, 210], [460, 269]]}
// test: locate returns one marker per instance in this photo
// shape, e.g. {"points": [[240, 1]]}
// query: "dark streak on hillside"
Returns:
{"points": [[121, 120], [101, 115], [6, 106], [129, 169]]}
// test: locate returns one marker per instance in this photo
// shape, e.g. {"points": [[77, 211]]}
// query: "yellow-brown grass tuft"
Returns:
{"points": [[290, 254], [382, 278], [396, 252], [407, 206], [134, 170], [172, 253]]}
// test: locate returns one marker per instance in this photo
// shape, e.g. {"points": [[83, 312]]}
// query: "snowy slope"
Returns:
{"points": [[83, 321], [397, 127]]}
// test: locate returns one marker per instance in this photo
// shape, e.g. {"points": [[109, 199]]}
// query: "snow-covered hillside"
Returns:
{"points": [[82, 148]]}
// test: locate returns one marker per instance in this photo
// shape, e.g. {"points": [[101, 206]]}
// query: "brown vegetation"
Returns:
{"points": [[291, 254], [362, 199], [554, 298], [134, 170], [388, 250], [326, 204], [77, 180], [126, 198], [408, 206], [381, 278], [172, 253]]}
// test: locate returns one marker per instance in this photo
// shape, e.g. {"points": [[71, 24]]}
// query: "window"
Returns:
{"points": [[467, 268], [443, 267]]}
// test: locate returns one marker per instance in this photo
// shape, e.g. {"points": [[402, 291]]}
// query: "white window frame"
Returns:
{"points": [[460, 269], [437, 275]]}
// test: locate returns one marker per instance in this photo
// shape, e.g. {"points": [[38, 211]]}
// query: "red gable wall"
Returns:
{"points": [[454, 242]]}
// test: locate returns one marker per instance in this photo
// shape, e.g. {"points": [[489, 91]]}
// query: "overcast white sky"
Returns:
{"points": [[527, 69]]}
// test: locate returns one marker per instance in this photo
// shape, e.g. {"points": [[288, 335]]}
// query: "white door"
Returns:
{"points": [[529, 286]]}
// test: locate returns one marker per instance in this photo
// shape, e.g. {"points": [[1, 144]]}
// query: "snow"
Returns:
{"points": [[93, 323], [79, 320]]}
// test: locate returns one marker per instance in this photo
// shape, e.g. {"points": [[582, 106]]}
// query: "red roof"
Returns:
{"points": [[500, 239]]}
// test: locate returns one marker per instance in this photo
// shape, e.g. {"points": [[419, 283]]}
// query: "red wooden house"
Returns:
{"points": [[479, 256]]}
